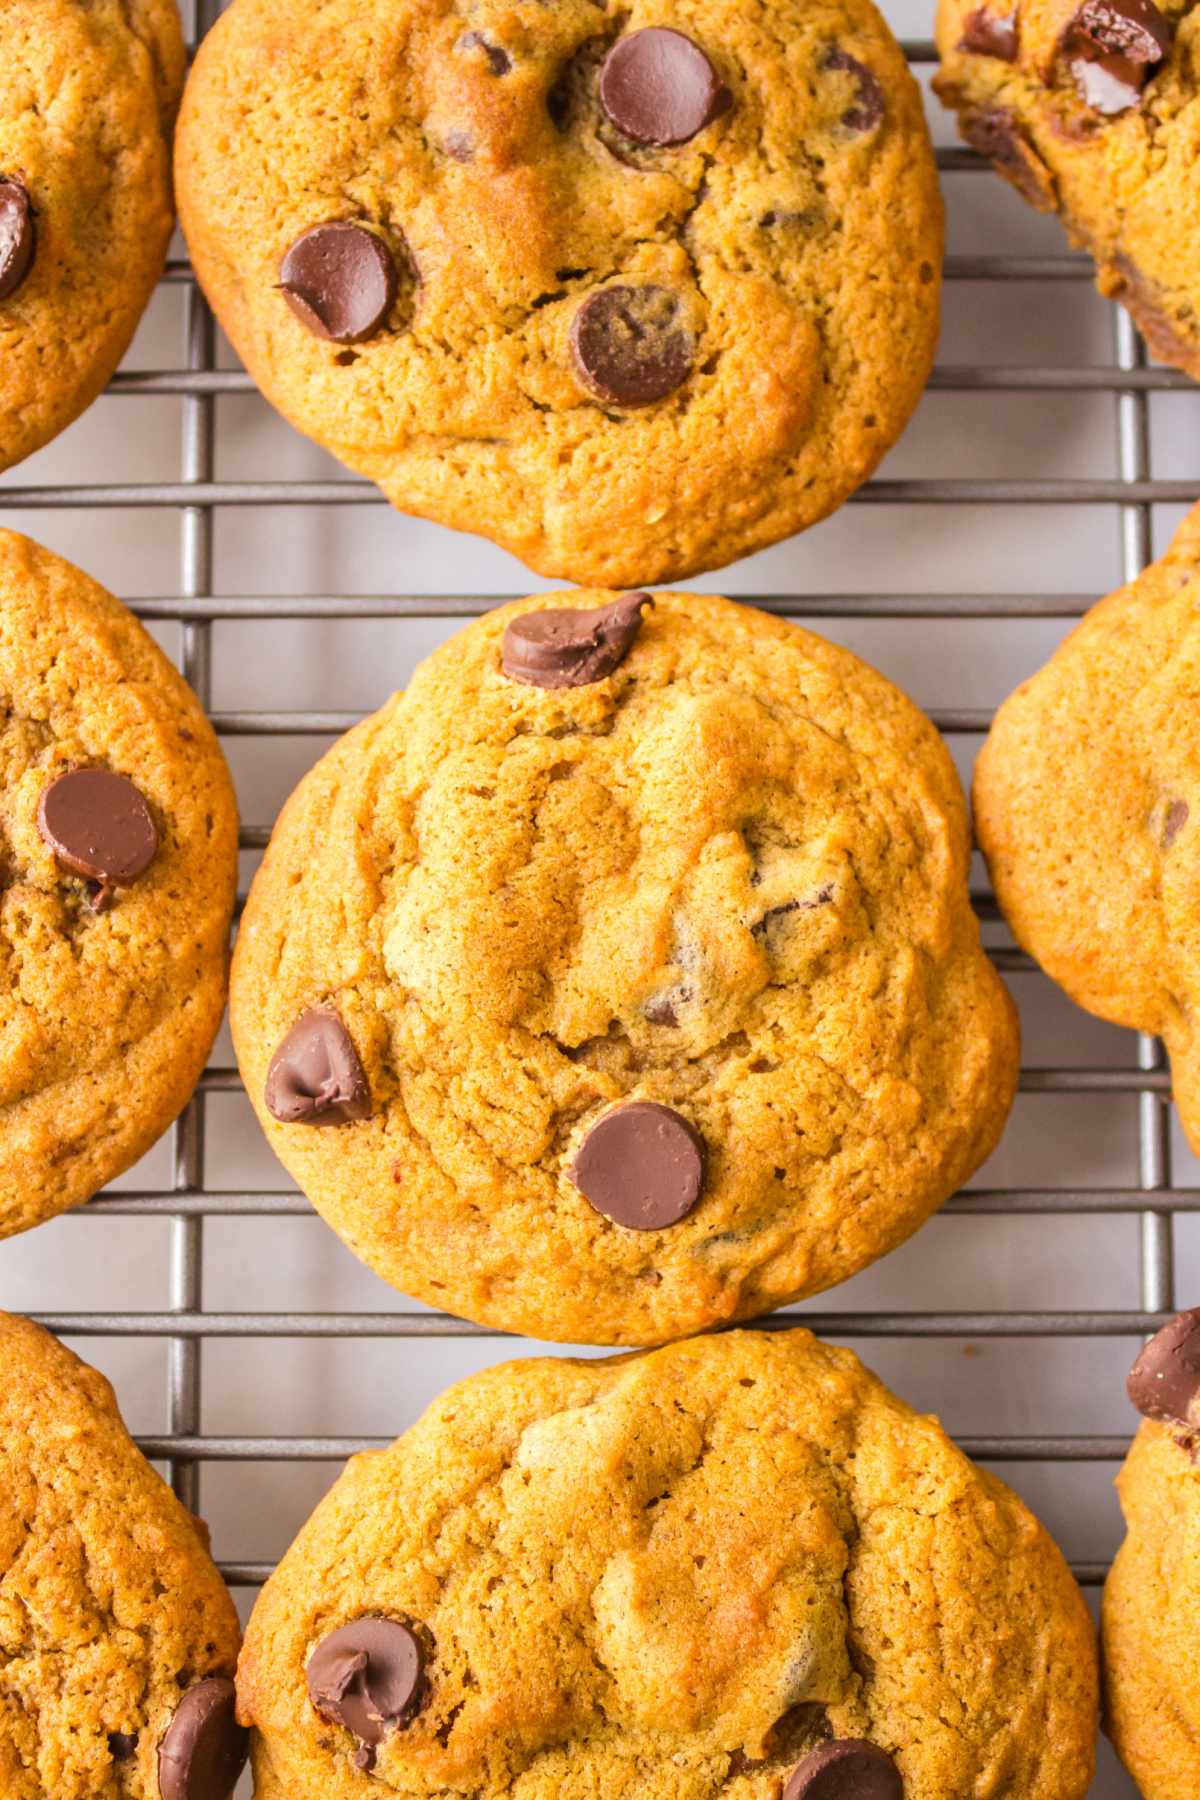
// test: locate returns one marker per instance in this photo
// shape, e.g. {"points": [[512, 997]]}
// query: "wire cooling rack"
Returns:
{"points": [[188, 1201]]}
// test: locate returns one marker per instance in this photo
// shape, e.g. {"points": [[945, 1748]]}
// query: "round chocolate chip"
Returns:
{"points": [[642, 1166], [658, 87], [16, 234], [315, 1077], [339, 280], [871, 106], [564, 648], [628, 346], [98, 825], [1164, 1382], [367, 1676], [845, 1769], [122, 1745], [204, 1748]]}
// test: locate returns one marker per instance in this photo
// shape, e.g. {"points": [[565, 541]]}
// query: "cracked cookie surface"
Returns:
{"points": [[795, 241], [1125, 182], [666, 1577], [110, 1606], [728, 879], [106, 1017], [1087, 808], [88, 91]]}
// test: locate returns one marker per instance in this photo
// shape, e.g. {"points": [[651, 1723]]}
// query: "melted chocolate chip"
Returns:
{"points": [[1111, 46], [339, 280], [845, 1769], [500, 60], [1164, 1382], [1176, 819], [315, 1077], [98, 825], [122, 1745], [642, 1166], [204, 1748], [627, 345], [996, 133], [564, 648], [658, 87], [367, 1676], [987, 34], [871, 104], [16, 234]]}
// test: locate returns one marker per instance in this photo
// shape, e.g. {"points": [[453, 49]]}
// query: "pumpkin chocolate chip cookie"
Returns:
{"points": [[118, 1639], [88, 91], [620, 978], [1151, 1636], [1087, 107], [736, 1566], [632, 291], [1087, 804], [118, 850]]}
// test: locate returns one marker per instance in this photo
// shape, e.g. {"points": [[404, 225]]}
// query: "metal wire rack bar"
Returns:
{"points": [[180, 1325], [270, 1203]]}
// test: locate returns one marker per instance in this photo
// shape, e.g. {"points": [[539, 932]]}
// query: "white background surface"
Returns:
{"points": [[329, 1387]]}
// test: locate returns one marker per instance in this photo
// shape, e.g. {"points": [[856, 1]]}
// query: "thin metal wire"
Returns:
{"points": [[184, 1325]]}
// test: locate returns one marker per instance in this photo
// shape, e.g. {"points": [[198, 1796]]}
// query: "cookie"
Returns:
{"points": [[620, 978], [1087, 806], [118, 1639], [1151, 1640], [730, 1567], [632, 292], [118, 828], [88, 91], [1085, 106]]}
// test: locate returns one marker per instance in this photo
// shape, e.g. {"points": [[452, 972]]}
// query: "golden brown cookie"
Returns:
{"points": [[671, 1577], [632, 292], [1151, 1620], [118, 834], [1087, 808], [88, 91], [118, 1638], [612, 1011], [1088, 107]]}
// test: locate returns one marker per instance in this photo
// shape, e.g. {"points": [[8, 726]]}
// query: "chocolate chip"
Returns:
{"points": [[1111, 46], [364, 1759], [846, 1769], [98, 825], [122, 1745], [339, 280], [628, 346], [871, 104], [658, 87], [996, 133], [16, 234], [642, 1166], [1165, 1380], [500, 60], [315, 1077], [204, 1748], [565, 648], [986, 34], [459, 145], [1177, 816], [367, 1676]]}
